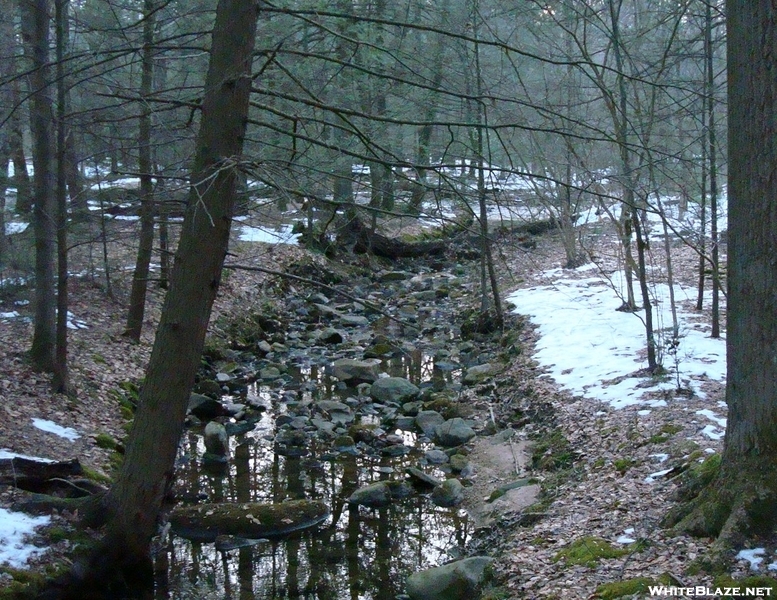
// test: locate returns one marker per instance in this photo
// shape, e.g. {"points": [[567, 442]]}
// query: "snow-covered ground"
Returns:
{"points": [[594, 351], [14, 528]]}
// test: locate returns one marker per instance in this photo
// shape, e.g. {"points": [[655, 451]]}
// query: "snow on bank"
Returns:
{"points": [[281, 235], [51, 427], [14, 527], [593, 350]]}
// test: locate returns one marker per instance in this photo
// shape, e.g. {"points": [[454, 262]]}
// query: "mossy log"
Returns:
{"points": [[205, 522]]}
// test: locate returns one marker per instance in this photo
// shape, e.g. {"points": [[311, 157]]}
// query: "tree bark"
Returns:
{"points": [[137, 301], [35, 32], [742, 500], [134, 502]]}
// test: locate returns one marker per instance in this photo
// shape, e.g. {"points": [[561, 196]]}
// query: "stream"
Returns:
{"points": [[358, 552]]}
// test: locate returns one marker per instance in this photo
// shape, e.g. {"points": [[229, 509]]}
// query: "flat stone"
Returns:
{"points": [[448, 494], [436, 457], [420, 477], [204, 407], [480, 373], [354, 320]]}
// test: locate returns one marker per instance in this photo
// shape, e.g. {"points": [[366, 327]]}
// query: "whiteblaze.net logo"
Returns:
{"points": [[709, 592]]}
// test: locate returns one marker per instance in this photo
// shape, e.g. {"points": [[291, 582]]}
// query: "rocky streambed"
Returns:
{"points": [[327, 454]]}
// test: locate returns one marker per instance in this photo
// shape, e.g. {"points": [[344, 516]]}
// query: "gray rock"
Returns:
{"points": [[428, 420], [393, 389], [480, 373], [393, 276], [209, 387], [458, 463], [324, 426], [204, 407], [269, 373], [372, 496], [453, 432], [330, 335], [459, 580], [449, 493], [264, 346], [436, 457], [351, 370], [354, 320], [419, 476], [216, 440]]}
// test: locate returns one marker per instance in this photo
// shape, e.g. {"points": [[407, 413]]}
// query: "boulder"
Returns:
{"points": [[453, 432], [418, 476], [373, 496], [204, 522], [458, 463], [459, 580], [352, 370], [428, 420], [204, 407], [436, 457], [449, 493], [393, 389]]}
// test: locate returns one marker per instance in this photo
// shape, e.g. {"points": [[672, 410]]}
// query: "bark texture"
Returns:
{"points": [[122, 567], [742, 500]]}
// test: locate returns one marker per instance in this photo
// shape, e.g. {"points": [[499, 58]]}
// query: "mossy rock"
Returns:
{"points": [[248, 519], [628, 587], [623, 464], [588, 551], [698, 477]]}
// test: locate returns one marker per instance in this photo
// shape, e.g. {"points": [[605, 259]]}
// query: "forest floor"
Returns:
{"points": [[606, 472]]}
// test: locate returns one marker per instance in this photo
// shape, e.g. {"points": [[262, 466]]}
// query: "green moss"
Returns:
{"points": [[623, 464], [552, 452], [659, 438], [755, 581], [103, 440], [671, 428], [497, 593], [628, 587], [24, 584], [588, 551]]}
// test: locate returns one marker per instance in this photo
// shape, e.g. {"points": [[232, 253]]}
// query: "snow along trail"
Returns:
{"points": [[594, 351]]}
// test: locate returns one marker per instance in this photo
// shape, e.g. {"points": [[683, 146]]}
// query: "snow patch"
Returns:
{"points": [[51, 427], [14, 527]]}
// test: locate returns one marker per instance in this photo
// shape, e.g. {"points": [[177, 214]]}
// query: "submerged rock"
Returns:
{"points": [[205, 522], [459, 580]]}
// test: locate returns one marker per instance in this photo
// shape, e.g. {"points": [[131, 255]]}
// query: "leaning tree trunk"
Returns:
{"points": [[134, 502], [742, 500]]}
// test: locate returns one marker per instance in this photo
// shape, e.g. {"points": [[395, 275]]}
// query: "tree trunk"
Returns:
{"points": [[134, 501], [35, 32], [61, 380], [137, 300], [742, 500]]}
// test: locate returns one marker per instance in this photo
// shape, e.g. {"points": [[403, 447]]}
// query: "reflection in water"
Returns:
{"points": [[359, 554]]}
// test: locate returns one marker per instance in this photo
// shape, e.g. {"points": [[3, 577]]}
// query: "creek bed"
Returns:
{"points": [[357, 553]]}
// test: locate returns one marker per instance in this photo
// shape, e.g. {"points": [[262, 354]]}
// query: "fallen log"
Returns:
{"points": [[368, 241]]}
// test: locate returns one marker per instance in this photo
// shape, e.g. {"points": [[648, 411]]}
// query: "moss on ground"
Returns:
{"points": [[588, 551], [552, 452], [627, 587]]}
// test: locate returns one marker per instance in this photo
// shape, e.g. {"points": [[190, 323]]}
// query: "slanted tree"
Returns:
{"points": [[133, 503], [742, 500]]}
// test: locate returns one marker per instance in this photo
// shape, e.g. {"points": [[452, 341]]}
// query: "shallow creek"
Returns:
{"points": [[357, 553]]}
